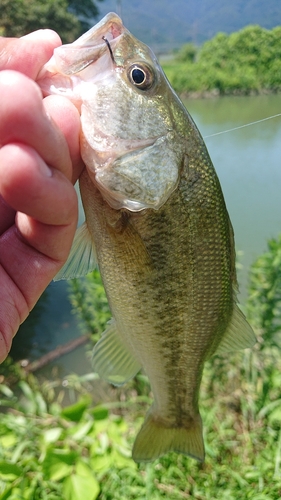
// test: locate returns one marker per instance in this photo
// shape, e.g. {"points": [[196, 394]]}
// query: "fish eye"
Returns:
{"points": [[141, 76]]}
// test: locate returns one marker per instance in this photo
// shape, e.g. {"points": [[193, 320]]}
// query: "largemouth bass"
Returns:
{"points": [[157, 225]]}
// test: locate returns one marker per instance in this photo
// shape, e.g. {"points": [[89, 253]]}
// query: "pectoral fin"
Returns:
{"points": [[111, 358], [81, 259], [238, 335]]}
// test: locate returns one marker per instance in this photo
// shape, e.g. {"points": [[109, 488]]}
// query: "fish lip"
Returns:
{"points": [[86, 50], [111, 24]]}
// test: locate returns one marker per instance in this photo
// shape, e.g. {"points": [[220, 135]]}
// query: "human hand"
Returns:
{"points": [[39, 162]]}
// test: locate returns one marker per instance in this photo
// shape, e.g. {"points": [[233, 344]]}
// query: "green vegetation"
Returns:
{"points": [[244, 62], [56, 443], [70, 18]]}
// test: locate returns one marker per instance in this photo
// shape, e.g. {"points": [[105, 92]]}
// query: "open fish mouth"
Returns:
{"points": [[74, 57]]}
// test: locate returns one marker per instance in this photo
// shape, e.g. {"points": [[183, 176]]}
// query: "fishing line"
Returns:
{"points": [[242, 126]]}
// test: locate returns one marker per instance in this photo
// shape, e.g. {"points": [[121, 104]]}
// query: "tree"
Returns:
{"points": [[67, 17], [246, 61], [85, 9], [187, 53]]}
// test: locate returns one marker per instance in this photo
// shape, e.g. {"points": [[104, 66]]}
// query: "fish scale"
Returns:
{"points": [[157, 225]]}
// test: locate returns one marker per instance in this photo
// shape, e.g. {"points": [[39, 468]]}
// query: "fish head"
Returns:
{"points": [[131, 120]]}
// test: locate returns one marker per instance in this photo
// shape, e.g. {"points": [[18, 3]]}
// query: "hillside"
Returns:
{"points": [[165, 24]]}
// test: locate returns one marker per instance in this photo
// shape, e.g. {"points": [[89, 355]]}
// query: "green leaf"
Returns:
{"points": [[77, 487], [100, 413], [81, 430], [26, 389], [275, 415], [19, 450], [40, 403], [6, 493], [120, 461], [8, 440], [52, 435], [58, 463], [102, 463], [28, 493], [75, 412], [10, 469], [82, 469], [59, 470], [6, 391]]}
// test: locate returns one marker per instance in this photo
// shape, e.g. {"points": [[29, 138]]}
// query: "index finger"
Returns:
{"points": [[24, 120]]}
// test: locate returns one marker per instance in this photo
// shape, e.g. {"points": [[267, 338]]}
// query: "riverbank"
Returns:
{"points": [[214, 93], [247, 62]]}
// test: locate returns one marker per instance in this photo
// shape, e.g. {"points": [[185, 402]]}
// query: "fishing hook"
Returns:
{"points": [[109, 48]]}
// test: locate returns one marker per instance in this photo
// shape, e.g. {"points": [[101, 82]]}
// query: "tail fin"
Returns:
{"points": [[156, 439]]}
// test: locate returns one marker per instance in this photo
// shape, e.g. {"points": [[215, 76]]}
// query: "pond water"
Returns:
{"points": [[248, 163]]}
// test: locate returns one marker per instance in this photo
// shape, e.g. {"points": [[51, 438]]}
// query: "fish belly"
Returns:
{"points": [[171, 299]]}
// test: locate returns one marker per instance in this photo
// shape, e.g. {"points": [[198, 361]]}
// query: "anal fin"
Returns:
{"points": [[112, 360], [155, 439], [238, 335]]}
